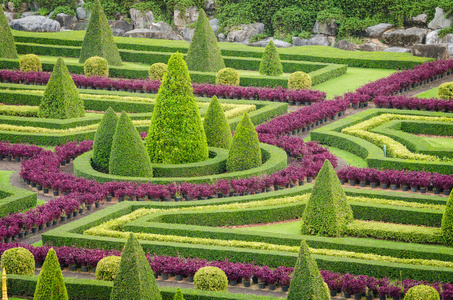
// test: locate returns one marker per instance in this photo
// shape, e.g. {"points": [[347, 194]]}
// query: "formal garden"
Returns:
{"points": [[157, 169]]}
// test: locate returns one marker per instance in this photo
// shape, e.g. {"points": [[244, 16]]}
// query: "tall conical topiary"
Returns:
{"points": [[176, 133], [7, 44], [59, 288], [128, 156], [135, 279], [307, 282], [50, 281], [245, 152], [216, 127], [178, 295], [61, 99], [327, 211], [98, 39], [204, 53], [102, 145], [447, 221], [270, 62]]}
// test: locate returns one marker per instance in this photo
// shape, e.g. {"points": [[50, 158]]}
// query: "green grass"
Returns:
{"points": [[352, 159], [37, 244], [432, 93], [4, 177], [439, 143], [285, 228]]}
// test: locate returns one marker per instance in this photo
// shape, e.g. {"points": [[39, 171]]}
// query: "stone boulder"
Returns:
{"points": [[81, 13], [36, 24], [397, 49], [377, 30], [319, 40], [27, 14], [299, 42], [81, 25], [433, 38], [118, 32], [328, 28], [242, 33], [345, 45], [417, 21], [209, 7], [450, 49], [370, 47], [159, 30], [221, 37], [121, 25], [9, 17], [405, 37], [263, 43], [214, 25], [187, 33], [437, 51], [141, 19], [65, 20], [439, 21], [181, 19]]}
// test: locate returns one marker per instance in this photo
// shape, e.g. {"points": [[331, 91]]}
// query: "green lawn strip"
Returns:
{"points": [[4, 177], [37, 244], [432, 93], [352, 159], [444, 143], [284, 228]]}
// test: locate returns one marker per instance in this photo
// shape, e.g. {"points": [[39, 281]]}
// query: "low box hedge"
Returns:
{"points": [[13, 199]]}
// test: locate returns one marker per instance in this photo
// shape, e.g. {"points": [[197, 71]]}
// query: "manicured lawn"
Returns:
{"points": [[444, 143], [4, 177], [285, 228], [432, 93], [352, 159]]}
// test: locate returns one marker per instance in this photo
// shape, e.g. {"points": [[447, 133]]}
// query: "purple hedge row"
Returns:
{"points": [[402, 102]]}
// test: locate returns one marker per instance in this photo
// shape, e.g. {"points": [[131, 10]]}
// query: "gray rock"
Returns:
{"points": [[370, 47], [437, 51], [242, 33], [117, 32], [181, 19], [377, 30], [221, 37], [214, 25], [36, 24], [450, 49], [449, 38], [432, 37], [418, 21], [397, 49], [439, 21], [263, 43], [122, 25], [159, 30], [33, 6], [405, 37], [209, 7], [141, 19], [81, 25], [80, 3], [9, 17], [319, 40], [81, 13], [299, 42], [325, 27], [187, 33], [65, 20], [345, 45], [27, 14]]}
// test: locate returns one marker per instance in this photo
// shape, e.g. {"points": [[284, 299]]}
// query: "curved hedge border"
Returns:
{"points": [[13, 199]]}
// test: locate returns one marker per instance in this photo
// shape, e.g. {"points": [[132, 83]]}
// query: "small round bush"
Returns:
{"points": [[422, 292], [211, 279], [299, 81], [445, 91], [157, 71], [18, 261], [107, 268], [96, 66], [227, 76], [30, 63]]}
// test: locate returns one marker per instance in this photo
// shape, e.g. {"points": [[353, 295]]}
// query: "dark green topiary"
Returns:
{"points": [[135, 279], [178, 295], [216, 127], [61, 99], [98, 39], [102, 145], [204, 52], [176, 133], [7, 44], [50, 281], [245, 152], [128, 156], [447, 221], [270, 62], [307, 282], [327, 211], [422, 292]]}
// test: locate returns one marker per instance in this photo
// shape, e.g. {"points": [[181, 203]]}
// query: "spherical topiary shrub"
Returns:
{"points": [[422, 292], [299, 81], [30, 63], [18, 261], [107, 268], [227, 76], [96, 66], [445, 91], [211, 279], [157, 71]]}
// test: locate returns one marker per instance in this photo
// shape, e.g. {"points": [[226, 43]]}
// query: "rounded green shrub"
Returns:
{"points": [[216, 127], [157, 71], [107, 268], [96, 66], [50, 283], [299, 81], [227, 76], [18, 261], [445, 91], [447, 221], [211, 279], [422, 292], [103, 139], [30, 63], [270, 62], [7, 44]]}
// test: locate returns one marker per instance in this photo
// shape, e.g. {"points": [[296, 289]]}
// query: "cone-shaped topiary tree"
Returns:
{"points": [[7, 44], [245, 152], [176, 133], [50, 281], [135, 279], [128, 156], [98, 39], [307, 282], [204, 52], [270, 62], [178, 295], [59, 288], [216, 127], [447, 221], [327, 211], [102, 145], [61, 99]]}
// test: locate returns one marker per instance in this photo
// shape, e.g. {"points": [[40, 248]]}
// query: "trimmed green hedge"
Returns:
{"points": [[13, 199]]}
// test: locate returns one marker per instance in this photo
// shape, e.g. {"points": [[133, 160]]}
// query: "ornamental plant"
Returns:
{"points": [[157, 71], [327, 211], [210, 279], [135, 279], [18, 261], [245, 152], [176, 133], [227, 76], [299, 81], [178, 295], [204, 53], [107, 268], [422, 292], [103, 139], [58, 287], [96, 66], [128, 156], [50, 281], [216, 127], [447, 221], [307, 282], [7, 45], [98, 39], [445, 91], [30, 63], [61, 99], [270, 62]]}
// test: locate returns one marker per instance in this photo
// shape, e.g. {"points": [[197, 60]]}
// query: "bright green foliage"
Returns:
{"points": [[227, 76], [270, 62], [178, 295], [61, 99], [216, 127], [18, 261], [30, 63], [447, 221], [128, 156], [50, 281], [135, 279], [98, 39], [204, 52], [327, 211], [245, 152], [103, 139], [445, 91], [422, 292], [307, 282], [176, 133], [299, 81], [107, 268], [210, 279], [157, 71], [7, 45], [58, 287], [96, 66]]}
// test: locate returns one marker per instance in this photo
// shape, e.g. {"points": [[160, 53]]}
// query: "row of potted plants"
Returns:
{"points": [[17, 151], [402, 102]]}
